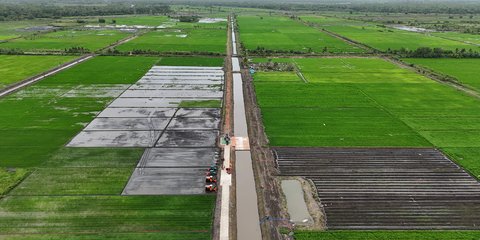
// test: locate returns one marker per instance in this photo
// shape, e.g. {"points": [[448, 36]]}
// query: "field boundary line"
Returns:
{"points": [[120, 42], [299, 73], [435, 76], [31, 80], [338, 36], [397, 118]]}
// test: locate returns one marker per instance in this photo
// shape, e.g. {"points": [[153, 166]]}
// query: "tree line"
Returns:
{"points": [[10, 12], [426, 52]]}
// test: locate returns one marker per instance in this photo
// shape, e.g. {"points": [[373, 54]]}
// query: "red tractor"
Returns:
{"points": [[211, 179], [211, 187]]}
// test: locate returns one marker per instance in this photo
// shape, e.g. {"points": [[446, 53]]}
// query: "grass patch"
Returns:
{"points": [[468, 157], [191, 61], [200, 104], [74, 181], [95, 157], [107, 214], [18, 68], [9, 177]]}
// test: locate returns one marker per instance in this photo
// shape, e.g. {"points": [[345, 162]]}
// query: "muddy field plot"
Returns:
{"points": [[387, 188], [180, 142]]}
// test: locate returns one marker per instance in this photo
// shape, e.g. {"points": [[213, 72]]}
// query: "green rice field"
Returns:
{"points": [[284, 35], [473, 39], [367, 102], [466, 71], [16, 68], [384, 38], [200, 40], [59, 41], [74, 193]]}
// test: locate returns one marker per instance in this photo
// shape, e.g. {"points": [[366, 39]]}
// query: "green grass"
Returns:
{"points": [[383, 38], [466, 71], [388, 235], [59, 41], [16, 68], [188, 39], [75, 181], [9, 177], [200, 104], [107, 215], [191, 61], [461, 37], [283, 34], [94, 157], [368, 102], [116, 236]]}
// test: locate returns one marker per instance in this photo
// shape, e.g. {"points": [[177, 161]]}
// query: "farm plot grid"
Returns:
{"points": [[181, 38], [282, 34], [64, 40], [180, 141], [387, 188], [385, 38]]}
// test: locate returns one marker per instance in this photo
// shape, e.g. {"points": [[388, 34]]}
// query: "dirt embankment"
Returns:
{"points": [[268, 187]]}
